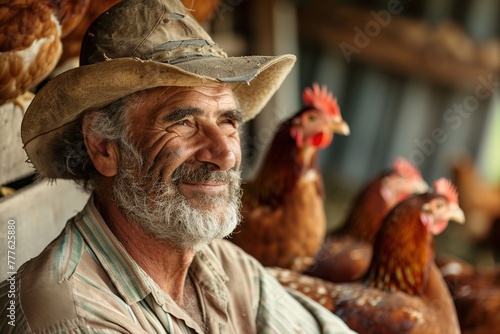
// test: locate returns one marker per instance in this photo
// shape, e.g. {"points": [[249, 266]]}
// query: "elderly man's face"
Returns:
{"points": [[179, 179]]}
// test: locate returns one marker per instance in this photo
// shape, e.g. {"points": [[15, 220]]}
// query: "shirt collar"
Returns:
{"points": [[123, 271], [207, 271]]}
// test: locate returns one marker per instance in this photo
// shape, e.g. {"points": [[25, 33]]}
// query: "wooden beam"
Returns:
{"points": [[443, 54]]}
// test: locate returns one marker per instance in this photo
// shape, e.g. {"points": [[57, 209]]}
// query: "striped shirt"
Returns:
{"points": [[86, 282]]}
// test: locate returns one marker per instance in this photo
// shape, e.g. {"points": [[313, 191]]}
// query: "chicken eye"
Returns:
{"points": [[439, 204], [312, 117]]}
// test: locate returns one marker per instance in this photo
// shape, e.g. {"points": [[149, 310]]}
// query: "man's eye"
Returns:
{"points": [[231, 121], [180, 126]]}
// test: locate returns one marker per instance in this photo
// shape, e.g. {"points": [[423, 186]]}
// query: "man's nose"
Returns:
{"points": [[217, 149]]}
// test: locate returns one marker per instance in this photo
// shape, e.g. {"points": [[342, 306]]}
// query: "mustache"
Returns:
{"points": [[203, 173]]}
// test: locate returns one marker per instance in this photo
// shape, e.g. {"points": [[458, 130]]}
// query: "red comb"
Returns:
{"points": [[403, 167], [321, 99], [444, 187]]}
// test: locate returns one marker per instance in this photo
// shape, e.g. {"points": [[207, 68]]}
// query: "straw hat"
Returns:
{"points": [[136, 45]]}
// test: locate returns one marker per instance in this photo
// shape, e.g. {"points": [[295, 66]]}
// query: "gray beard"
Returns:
{"points": [[165, 214]]}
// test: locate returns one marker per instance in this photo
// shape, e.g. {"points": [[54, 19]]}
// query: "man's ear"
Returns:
{"points": [[103, 153]]}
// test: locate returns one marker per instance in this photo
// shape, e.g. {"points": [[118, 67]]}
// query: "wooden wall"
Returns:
{"points": [[34, 214]]}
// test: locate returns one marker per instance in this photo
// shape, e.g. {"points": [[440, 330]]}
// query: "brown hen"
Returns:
{"points": [[480, 201], [476, 294], [476, 287], [283, 215], [347, 251], [30, 41], [403, 291]]}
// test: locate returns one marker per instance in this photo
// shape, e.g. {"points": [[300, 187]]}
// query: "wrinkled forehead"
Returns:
{"points": [[210, 98]]}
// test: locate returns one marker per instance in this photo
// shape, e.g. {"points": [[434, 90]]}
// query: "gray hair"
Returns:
{"points": [[110, 123]]}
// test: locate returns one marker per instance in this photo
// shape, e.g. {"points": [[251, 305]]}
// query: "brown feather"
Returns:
{"points": [[403, 249]]}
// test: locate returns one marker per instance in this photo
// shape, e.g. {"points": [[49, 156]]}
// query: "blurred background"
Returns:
{"points": [[417, 79]]}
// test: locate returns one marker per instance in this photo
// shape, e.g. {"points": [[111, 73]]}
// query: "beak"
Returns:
{"points": [[340, 127], [456, 214]]}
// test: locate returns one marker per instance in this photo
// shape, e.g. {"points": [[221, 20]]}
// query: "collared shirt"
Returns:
{"points": [[86, 282]]}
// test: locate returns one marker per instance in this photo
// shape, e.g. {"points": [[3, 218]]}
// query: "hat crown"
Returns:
{"points": [[159, 30]]}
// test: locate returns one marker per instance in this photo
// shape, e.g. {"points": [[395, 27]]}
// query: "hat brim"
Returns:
{"points": [[62, 100]]}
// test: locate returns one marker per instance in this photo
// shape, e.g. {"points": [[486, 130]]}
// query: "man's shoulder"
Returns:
{"points": [[58, 261], [41, 289]]}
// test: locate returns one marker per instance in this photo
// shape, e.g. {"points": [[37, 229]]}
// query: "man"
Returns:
{"points": [[149, 122]]}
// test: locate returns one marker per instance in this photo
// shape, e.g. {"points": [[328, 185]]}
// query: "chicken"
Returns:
{"points": [[403, 290], [475, 292], [346, 253], [480, 201], [283, 215], [475, 285], [30, 42]]}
